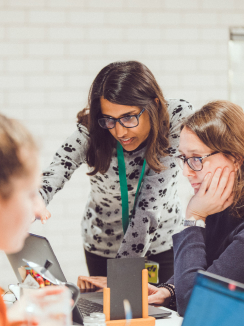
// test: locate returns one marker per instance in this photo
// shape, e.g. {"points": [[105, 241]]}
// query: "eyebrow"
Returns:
{"points": [[190, 151], [122, 115]]}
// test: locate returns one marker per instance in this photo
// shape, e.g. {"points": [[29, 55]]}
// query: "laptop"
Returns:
{"points": [[38, 249], [214, 301]]}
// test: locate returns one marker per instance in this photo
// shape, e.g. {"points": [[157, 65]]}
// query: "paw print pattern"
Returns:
{"points": [[109, 232], [47, 188], [47, 174], [57, 154], [125, 253], [171, 151], [162, 193], [138, 248], [97, 238], [129, 187], [67, 175], [161, 180], [135, 235], [109, 244], [67, 165], [116, 169], [104, 204], [137, 161], [134, 175], [148, 187], [151, 229], [143, 204], [177, 110], [152, 199], [99, 222], [88, 214], [172, 165], [68, 148], [78, 141], [99, 209], [145, 220], [92, 247]]}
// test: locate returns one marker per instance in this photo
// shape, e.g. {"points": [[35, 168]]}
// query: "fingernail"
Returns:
{"points": [[44, 221]]}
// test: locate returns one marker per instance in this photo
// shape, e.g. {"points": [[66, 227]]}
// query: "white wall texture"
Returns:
{"points": [[51, 50]]}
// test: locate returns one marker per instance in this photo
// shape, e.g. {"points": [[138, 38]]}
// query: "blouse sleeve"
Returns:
{"points": [[157, 193], [66, 160]]}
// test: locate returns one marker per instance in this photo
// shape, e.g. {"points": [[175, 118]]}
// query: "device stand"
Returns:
{"points": [[145, 320]]}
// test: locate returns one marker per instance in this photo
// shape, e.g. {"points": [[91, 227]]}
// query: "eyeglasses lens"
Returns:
{"points": [[106, 123], [195, 163], [129, 121]]}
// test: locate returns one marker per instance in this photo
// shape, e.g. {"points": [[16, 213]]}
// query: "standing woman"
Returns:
{"points": [[127, 136]]}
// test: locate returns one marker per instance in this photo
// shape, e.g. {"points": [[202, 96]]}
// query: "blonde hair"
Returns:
{"points": [[17, 147], [219, 125]]}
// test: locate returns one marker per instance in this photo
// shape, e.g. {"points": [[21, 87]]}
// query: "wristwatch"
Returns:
{"points": [[193, 222]]}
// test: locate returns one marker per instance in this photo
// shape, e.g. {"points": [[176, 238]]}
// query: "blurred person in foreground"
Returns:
{"points": [[19, 200]]}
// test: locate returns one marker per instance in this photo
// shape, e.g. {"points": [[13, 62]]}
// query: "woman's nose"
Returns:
{"points": [[187, 171], [120, 130]]}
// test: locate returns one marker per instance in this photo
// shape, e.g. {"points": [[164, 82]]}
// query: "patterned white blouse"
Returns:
{"points": [[157, 212]]}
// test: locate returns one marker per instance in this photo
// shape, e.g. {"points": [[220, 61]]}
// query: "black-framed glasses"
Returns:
{"points": [[195, 162], [129, 121]]}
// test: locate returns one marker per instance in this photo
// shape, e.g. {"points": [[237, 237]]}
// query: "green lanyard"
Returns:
{"points": [[123, 186]]}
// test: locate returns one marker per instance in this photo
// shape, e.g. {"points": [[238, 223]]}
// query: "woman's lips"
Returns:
{"points": [[126, 141], [195, 185]]}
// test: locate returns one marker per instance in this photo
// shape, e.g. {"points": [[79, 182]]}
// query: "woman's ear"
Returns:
{"points": [[156, 100]]}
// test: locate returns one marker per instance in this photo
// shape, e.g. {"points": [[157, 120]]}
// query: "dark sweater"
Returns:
{"points": [[219, 249]]}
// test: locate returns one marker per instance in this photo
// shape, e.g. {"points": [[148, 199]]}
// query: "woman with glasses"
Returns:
{"points": [[212, 154], [127, 136]]}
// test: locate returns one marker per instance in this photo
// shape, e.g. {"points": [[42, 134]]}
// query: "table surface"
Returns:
{"points": [[173, 320]]}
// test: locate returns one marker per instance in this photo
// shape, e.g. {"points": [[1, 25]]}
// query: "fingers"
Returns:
{"points": [[151, 289], [229, 187], [91, 282], [215, 181], [50, 290], [223, 183], [45, 216], [228, 202], [205, 184]]}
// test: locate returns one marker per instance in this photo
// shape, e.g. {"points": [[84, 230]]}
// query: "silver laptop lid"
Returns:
{"points": [[36, 249]]}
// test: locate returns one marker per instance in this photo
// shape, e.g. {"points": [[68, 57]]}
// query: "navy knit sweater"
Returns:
{"points": [[219, 249]]}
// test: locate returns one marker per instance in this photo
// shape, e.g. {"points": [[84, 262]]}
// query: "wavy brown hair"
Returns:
{"points": [[17, 157], [219, 125], [127, 83]]}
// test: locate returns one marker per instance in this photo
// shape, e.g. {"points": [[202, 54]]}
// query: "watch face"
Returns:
{"points": [[200, 223]]}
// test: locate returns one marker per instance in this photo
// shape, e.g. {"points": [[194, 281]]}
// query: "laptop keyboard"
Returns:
{"points": [[86, 307]]}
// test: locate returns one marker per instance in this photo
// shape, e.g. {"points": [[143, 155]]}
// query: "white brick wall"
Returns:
{"points": [[51, 50]]}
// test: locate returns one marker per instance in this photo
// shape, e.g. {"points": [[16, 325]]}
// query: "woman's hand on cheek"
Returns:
{"points": [[214, 195]]}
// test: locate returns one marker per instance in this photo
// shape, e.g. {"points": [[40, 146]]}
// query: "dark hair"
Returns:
{"points": [[127, 83], [219, 125], [16, 153]]}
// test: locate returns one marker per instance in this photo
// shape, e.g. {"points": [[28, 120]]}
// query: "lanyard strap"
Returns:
{"points": [[124, 188]]}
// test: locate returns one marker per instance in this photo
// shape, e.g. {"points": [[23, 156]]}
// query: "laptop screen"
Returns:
{"points": [[215, 301]]}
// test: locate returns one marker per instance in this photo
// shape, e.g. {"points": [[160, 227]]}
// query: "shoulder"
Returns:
{"points": [[82, 130], [179, 108]]}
